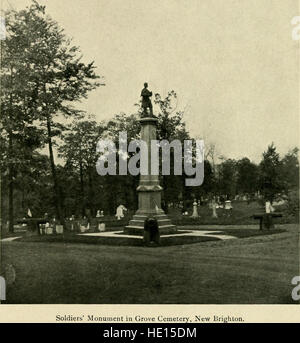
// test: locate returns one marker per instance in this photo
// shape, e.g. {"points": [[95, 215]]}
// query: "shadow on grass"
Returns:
{"points": [[125, 241], [118, 241], [244, 233]]}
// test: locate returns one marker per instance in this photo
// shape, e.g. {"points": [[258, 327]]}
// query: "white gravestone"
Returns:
{"points": [[59, 229], [48, 229], [101, 227], [83, 228], [214, 208], [228, 205], [269, 208], [195, 210], [120, 211], [72, 222]]}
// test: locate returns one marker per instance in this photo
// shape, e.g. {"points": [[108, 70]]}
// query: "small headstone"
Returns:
{"points": [[24, 224], [83, 228], [269, 208], [101, 227], [195, 210], [72, 222], [84, 224], [119, 212], [228, 205], [48, 229], [59, 229], [214, 209]]}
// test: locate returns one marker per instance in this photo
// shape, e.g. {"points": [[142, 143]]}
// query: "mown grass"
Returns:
{"points": [[118, 240], [240, 271]]}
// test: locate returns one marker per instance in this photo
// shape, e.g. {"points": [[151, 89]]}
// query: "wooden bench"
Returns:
{"points": [[262, 219]]}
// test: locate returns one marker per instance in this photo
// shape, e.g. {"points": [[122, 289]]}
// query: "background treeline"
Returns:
{"points": [[42, 77]]}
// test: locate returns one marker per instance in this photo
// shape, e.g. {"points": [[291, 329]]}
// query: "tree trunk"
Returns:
{"points": [[91, 192], [10, 166], [57, 193], [10, 185], [82, 190], [23, 198]]}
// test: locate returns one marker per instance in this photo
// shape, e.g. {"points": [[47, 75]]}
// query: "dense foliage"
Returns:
{"points": [[42, 76]]}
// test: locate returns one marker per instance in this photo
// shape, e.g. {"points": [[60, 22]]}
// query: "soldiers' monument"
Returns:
{"points": [[149, 190]]}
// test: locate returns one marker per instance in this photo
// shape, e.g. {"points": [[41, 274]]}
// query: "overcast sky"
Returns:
{"points": [[232, 63]]}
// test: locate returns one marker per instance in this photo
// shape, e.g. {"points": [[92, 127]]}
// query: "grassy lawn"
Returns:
{"points": [[241, 213], [118, 240], [255, 269]]}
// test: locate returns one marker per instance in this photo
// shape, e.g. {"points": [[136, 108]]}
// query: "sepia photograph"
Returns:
{"points": [[149, 154]]}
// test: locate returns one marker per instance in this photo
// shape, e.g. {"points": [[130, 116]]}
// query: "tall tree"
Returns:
{"points": [[290, 170], [79, 151], [247, 176], [170, 119], [171, 126], [55, 73], [121, 189], [270, 180], [227, 177], [19, 136]]}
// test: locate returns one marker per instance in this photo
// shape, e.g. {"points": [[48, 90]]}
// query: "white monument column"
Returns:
{"points": [[149, 189]]}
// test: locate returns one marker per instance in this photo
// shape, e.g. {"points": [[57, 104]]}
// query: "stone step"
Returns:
{"points": [[138, 230], [144, 217], [161, 227], [158, 220]]}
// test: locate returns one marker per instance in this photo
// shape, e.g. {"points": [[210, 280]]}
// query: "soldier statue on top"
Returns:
{"points": [[146, 101]]}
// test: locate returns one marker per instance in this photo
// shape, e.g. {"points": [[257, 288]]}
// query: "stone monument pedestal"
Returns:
{"points": [[149, 190]]}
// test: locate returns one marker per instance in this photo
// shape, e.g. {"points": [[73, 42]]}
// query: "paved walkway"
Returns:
{"points": [[192, 233], [9, 239], [119, 234]]}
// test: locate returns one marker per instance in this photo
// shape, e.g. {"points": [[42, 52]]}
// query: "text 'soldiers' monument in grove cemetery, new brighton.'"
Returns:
{"points": [[149, 189]]}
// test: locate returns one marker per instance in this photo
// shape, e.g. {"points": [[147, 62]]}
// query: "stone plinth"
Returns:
{"points": [[149, 190]]}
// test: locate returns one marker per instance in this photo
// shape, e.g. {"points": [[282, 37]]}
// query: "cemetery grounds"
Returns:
{"points": [[254, 267]]}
